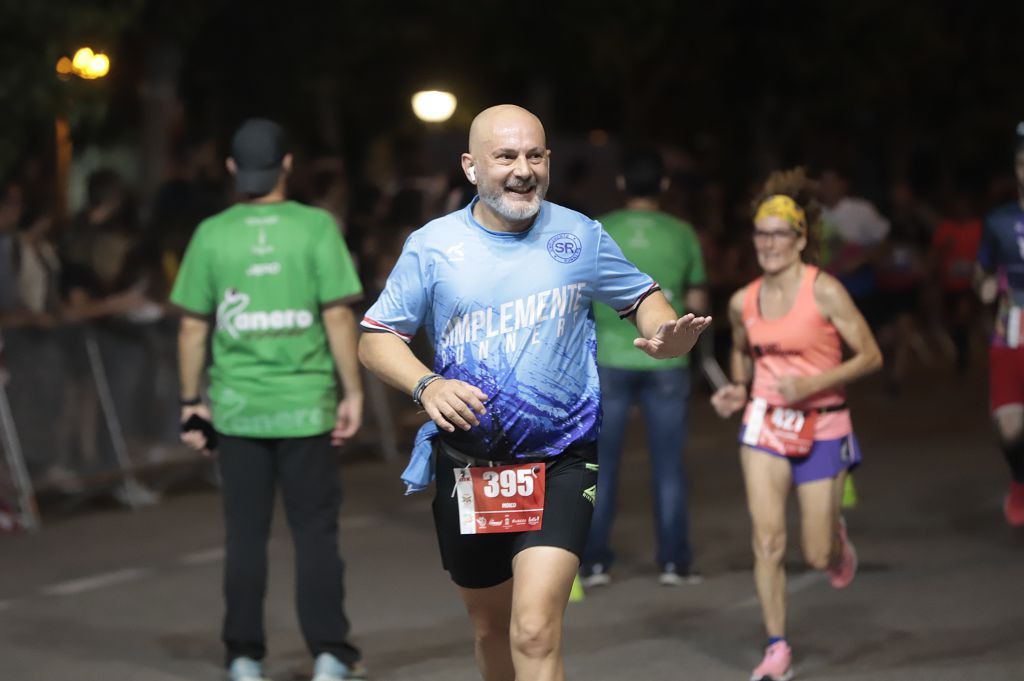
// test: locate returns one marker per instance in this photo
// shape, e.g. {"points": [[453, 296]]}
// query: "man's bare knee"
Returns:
{"points": [[534, 635], [490, 633], [489, 623]]}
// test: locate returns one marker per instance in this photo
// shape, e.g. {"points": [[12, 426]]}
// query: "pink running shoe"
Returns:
{"points": [[842, 573], [777, 664], [1013, 507]]}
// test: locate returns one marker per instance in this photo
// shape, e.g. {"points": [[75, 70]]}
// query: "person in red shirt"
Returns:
{"points": [[954, 249]]}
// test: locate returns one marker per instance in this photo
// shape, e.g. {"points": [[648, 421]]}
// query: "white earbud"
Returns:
{"points": [[472, 173]]}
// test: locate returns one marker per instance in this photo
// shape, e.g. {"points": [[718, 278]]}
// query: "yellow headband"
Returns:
{"points": [[782, 206]]}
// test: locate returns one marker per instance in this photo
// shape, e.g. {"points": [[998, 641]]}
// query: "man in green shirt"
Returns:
{"points": [[668, 250], [273, 279]]}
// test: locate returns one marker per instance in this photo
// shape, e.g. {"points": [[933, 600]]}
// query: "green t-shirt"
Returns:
{"points": [[668, 250], [262, 273]]}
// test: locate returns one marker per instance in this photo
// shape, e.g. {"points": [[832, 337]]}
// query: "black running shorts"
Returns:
{"points": [[477, 561]]}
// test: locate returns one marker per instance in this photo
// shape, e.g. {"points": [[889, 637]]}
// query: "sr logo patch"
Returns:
{"points": [[564, 247]]}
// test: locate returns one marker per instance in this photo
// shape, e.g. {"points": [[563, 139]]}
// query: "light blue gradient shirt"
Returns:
{"points": [[511, 314]]}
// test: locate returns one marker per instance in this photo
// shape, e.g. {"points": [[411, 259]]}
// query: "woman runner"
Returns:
{"points": [[788, 327]]}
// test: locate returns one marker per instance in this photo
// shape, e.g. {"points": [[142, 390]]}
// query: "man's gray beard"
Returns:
{"points": [[498, 202]]}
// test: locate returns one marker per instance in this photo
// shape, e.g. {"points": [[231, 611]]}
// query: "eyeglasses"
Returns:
{"points": [[785, 235]]}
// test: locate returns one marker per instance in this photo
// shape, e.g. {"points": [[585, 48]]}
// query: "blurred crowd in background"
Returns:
{"points": [[905, 251]]}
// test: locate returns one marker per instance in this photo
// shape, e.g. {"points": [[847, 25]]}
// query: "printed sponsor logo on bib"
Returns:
{"points": [[500, 498], [787, 431]]}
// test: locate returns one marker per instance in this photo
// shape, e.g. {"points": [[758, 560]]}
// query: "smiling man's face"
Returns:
{"points": [[509, 162]]}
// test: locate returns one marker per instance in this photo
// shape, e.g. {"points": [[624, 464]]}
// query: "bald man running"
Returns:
{"points": [[504, 289]]}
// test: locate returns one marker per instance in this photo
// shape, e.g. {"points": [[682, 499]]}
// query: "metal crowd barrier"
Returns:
{"points": [[91, 410]]}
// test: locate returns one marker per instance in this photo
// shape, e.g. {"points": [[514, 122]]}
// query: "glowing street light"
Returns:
{"points": [[85, 64], [433, 106], [82, 59], [98, 67]]}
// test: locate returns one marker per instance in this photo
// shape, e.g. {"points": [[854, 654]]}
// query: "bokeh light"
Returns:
{"points": [[433, 106]]}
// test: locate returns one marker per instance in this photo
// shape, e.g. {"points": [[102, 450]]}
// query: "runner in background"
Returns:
{"points": [[954, 252], [1000, 279], [789, 329]]}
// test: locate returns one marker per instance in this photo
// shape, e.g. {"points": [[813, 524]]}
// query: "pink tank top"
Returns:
{"points": [[800, 343]]}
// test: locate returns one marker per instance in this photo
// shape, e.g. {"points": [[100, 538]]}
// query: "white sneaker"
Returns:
{"points": [[595, 575], [673, 576], [246, 669], [329, 668]]}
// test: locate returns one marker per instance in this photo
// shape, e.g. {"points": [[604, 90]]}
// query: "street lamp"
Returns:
{"points": [[433, 106], [87, 65]]}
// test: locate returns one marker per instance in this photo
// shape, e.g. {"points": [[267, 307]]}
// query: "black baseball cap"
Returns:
{"points": [[258, 147]]}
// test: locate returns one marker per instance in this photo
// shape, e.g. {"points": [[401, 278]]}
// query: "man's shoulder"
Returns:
{"points": [[561, 219], [438, 228]]}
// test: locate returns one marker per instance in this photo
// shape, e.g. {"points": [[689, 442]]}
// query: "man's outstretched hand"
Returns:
{"points": [[674, 338]]}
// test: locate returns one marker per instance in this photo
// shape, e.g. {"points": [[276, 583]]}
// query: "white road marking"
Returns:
{"points": [[203, 557], [77, 586]]}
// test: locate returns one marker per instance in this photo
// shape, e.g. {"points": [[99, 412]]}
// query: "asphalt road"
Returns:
{"points": [[106, 594]]}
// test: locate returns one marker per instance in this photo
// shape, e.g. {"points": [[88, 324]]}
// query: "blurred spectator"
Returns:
{"points": [[954, 249], [110, 275], [37, 268], [330, 192], [573, 194], [900, 274], [669, 251], [853, 230], [25, 262], [365, 219], [10, 214], [406, 213], [273, 394], [192, 191]]}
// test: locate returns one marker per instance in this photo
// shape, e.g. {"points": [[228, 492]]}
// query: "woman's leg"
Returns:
{"points": [[768, 479], [819, 520]]}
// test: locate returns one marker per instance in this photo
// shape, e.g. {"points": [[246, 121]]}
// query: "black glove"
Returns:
{"points": [[197, 422]]}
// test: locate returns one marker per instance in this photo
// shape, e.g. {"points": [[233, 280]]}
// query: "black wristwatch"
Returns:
{"points": [[190, 402]]}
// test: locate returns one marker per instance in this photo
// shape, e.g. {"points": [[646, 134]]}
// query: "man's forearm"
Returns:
{"points": [[652, 313], [388, 357], [340, 325], [191, 355]]}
